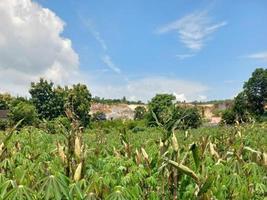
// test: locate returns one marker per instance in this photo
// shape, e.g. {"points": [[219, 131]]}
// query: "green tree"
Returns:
{"points": [[139, 112], [23, 110], [5, 100], [250, 101], [162, 106], [190, 117], [239, 110], [256, 91], [46, 100], [61, 96], [79, 101], [240, 107]]}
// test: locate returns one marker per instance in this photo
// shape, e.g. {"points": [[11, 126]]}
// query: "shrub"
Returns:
{"points": [[228, 116], [57, 125], [167, 114], [3, 124], [139, 112], [98, 116], [64, 121], [162, 106], [25, 111], [5, 100], [190, 117]]}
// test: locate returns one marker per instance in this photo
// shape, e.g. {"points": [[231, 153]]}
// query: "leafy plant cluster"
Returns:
{"points": [[251, 102], [157, 163], [163, 109], [47, 103]]}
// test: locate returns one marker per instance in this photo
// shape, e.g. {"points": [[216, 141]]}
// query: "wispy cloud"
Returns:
{"points": [[89, 26], [193, 29], [259, 56], [184, 56], [108, 61]]}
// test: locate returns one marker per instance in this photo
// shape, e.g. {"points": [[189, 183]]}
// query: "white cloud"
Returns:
{"points": [[180, 97], [146, 88], [259, 56], [202, 97], [193, 29], [108, 61], [184, 56], [31, 46]]}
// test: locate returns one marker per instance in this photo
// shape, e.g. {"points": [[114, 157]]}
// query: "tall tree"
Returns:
{"points": [[162, 106], [45, 99], [256, 91], [79, 101]]}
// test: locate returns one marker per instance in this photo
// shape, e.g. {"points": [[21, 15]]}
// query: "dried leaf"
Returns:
{"points": [[78, 172]]}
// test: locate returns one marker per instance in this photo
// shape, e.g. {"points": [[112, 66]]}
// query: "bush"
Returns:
{"points": [[98, 116], [108, 124], [139, 112], [25, 111], [64, 121], [5, 100], [190, 117], [162, 106], [3, 124], [228, 116], [57, 125], [162, 110]]}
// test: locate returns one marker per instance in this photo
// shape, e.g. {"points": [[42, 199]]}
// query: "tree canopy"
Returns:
{"points": [[46, 100]]}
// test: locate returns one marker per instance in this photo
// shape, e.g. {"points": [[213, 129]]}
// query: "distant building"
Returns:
{"points": [[3, 114]]}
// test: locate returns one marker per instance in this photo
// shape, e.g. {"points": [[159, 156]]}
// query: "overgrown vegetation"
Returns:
{"points": [[205, 163], [251, 101], [50, 148], [162, 109]]}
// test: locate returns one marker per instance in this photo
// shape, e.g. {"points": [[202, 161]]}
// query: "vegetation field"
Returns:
{"points": [[125, 160]]}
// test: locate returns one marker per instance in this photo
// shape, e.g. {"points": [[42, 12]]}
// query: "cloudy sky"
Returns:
{"points": [[196, 50]]}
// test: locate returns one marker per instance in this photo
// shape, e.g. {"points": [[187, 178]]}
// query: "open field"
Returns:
{"points": [[126, 161]]}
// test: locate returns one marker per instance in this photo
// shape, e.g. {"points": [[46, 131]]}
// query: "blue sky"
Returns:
{"points": [[197, 50]]}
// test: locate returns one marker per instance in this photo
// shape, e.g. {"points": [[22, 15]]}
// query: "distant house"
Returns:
{"points": [[3, 114]]}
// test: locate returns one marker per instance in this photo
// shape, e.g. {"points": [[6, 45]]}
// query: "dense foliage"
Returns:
{"points": [[117, 160], [114, 163], [163, 110], [256, 91], [251, 101], [5, 100], [25, 111], [49, 105], [79, 101], [139, 112]]}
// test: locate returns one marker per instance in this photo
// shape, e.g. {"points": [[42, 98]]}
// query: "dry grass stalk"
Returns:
{"points": [[77, 147], [78, 172], [175, 145], [213, 152]]}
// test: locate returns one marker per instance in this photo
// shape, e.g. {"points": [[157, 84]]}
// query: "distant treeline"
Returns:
{"points": [[214, 101], [123, 100]]}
